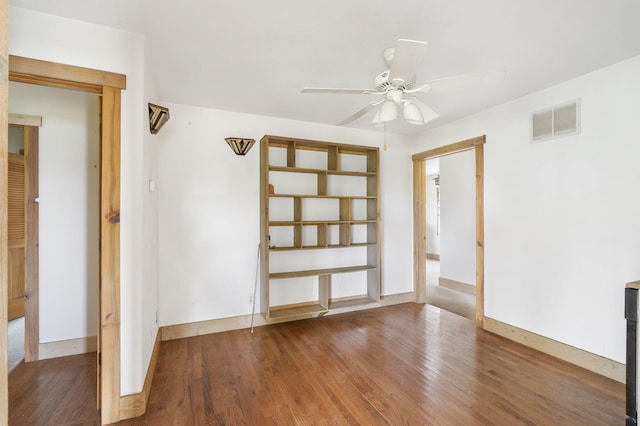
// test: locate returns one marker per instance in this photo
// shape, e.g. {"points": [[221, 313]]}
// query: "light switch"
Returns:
{"points": [[152, 186]]}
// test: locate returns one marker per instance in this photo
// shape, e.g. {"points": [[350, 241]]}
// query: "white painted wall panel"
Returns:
{"points": [[457, 217]]}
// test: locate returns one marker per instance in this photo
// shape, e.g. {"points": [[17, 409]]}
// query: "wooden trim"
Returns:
{"points": [[110, 256], [433, 256], [419, 216], [4, 138], [69, 347], [35, 71], [479, 152], [453, 148], [136, 404], [596, 363], [457, 285], [633, 284], [25, 120], [312, 145], [419, 231], [200, 328], [32, 251]]}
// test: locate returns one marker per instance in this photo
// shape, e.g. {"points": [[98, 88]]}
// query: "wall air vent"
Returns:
{"points": [[555, 122]]}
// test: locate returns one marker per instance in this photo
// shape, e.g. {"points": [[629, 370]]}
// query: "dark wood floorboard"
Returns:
{"points": [[405, 364], [59, 391]]}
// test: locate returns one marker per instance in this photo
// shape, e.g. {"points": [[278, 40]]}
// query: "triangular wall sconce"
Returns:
{"points": [[240, 145], [158, 116]]}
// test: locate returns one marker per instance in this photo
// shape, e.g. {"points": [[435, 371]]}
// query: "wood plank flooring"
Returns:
{"points": [[404, 364], [58, 391]]}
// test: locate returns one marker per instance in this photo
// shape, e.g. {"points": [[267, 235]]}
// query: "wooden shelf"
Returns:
{"points": [[320, 222], [338, 197], [328, 246], [319, 171], [316, 272], [285, 311], [354, 215], [352, 301]]}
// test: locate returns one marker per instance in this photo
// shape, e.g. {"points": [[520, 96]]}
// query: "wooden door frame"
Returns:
{"points": [[30, 125], [109, 85], [420, 218]]}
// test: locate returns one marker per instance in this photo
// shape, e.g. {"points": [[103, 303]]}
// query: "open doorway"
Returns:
{"points": [[450, 233], [61, 265], [474, 145]]}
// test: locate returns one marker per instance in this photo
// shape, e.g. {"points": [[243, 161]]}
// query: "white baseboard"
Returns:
{"points": [[69, 347], [180, 331], [596, 363]]}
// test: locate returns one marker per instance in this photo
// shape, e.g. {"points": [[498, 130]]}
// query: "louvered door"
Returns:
{"points": [[16, 236]]}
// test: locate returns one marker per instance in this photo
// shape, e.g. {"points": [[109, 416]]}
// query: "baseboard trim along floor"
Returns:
{"points": [[592, 362], [180, 331]]}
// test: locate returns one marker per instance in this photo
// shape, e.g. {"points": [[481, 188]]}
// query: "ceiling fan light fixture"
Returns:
{"points": [[388, 111], [412, 114], [376, 122]]}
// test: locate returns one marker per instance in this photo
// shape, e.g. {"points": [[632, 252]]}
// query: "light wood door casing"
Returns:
{"points": [[110, 84], [32, 236], [420, 221]]}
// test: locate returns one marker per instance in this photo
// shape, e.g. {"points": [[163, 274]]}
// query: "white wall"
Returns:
{"points": [[561, 217], [149, 291], [210, 210], [68, 208], [47, 37], [433, 235], [458, 217]]}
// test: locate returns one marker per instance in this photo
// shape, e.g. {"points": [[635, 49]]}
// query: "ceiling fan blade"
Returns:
{"points": [[339, 91], [360, 113], [427, 112], [459, 82], [406, 57]]}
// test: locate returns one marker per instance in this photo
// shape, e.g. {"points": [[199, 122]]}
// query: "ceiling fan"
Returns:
{"points": [[397, 86]]}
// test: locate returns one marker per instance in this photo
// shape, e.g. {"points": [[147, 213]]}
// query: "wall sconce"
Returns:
{"points": [[240, 145], [158, 115]]}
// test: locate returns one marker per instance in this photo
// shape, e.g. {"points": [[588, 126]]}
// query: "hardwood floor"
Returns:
{"points": [[58, 391], [404, 364]]}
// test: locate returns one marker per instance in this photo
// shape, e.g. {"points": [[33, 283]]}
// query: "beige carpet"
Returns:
{"points": [[16, 342], [458, 302]]}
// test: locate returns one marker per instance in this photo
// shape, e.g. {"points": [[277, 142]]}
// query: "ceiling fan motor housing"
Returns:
{"points": [[382, 83]]}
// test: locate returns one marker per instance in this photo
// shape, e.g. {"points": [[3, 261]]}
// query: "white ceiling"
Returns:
{"points": [[254, 56]]}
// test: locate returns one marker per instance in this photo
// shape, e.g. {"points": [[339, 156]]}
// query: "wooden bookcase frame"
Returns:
{"points": [[345, 222]]}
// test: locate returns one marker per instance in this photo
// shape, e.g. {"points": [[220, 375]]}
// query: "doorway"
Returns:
{"points": [[450, 231], [67, 238], [109, 86], [420, 215]]}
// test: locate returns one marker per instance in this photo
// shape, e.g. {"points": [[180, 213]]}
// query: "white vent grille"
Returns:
{"points": [[561, 120]]}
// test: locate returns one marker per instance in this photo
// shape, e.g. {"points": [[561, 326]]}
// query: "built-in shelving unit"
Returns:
{"points": [[320, 226]]}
